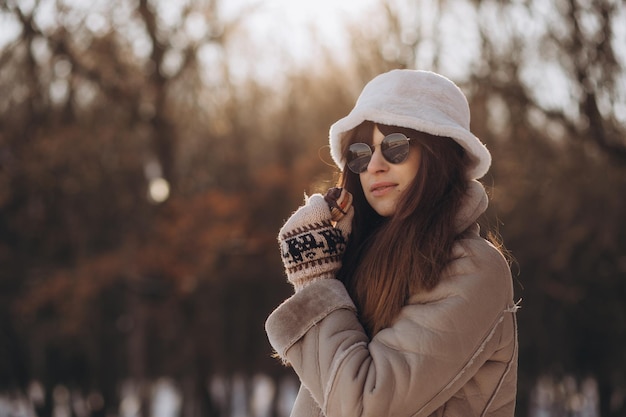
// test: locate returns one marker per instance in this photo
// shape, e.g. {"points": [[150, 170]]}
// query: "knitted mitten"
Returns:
{"points": [[311, 247]]}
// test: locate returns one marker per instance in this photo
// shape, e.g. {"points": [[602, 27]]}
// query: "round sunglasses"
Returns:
{"points": [[394, 147]]}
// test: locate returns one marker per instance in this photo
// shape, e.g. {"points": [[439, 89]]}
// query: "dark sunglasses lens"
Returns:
{"points": [[359, 156], [395, 148]]}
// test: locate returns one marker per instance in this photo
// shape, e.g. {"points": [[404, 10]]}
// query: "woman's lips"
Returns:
{"points": [[380, 189]]}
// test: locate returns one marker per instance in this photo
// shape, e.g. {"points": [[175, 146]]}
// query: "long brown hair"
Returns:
{"points": [[388, 259]]}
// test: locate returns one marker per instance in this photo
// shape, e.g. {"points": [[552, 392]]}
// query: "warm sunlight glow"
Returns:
{"points": [[299, 26]]}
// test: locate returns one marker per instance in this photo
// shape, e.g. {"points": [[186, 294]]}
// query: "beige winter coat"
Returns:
{"points": [[451, 351]]}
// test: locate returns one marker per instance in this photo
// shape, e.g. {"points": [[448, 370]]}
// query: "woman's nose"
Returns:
{"points": [[378, 162]]}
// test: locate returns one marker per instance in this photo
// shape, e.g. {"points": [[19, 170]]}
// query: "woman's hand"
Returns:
{"points": [[311, 247]]}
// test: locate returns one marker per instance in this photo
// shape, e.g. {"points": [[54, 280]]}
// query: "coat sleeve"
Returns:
{"points": [[437, 343]]}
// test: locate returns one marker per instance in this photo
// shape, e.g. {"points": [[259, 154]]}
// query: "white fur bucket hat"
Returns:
{"points": [[419, 100]]}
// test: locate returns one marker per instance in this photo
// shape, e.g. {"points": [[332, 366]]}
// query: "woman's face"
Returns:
{"points": [[383, 182]]}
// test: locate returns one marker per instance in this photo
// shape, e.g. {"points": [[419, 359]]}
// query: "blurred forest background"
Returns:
{"points": [[148, 157]]}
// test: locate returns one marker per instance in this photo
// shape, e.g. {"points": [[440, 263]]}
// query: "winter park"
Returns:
{"points": [[150, 152]]}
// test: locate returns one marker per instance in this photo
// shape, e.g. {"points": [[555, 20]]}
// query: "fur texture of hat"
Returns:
{"points": [[419, 100]]}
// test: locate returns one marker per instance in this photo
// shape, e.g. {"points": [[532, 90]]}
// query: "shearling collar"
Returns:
{"points": [[474, 204]]}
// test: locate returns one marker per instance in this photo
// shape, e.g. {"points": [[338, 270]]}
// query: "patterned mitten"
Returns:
{"points": [[311, 247]]}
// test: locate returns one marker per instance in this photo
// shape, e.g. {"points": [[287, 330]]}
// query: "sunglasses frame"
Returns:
{"points": [[357, 160]]}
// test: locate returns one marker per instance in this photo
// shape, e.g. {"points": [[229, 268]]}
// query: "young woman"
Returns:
{"points": [[400, 308]]}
